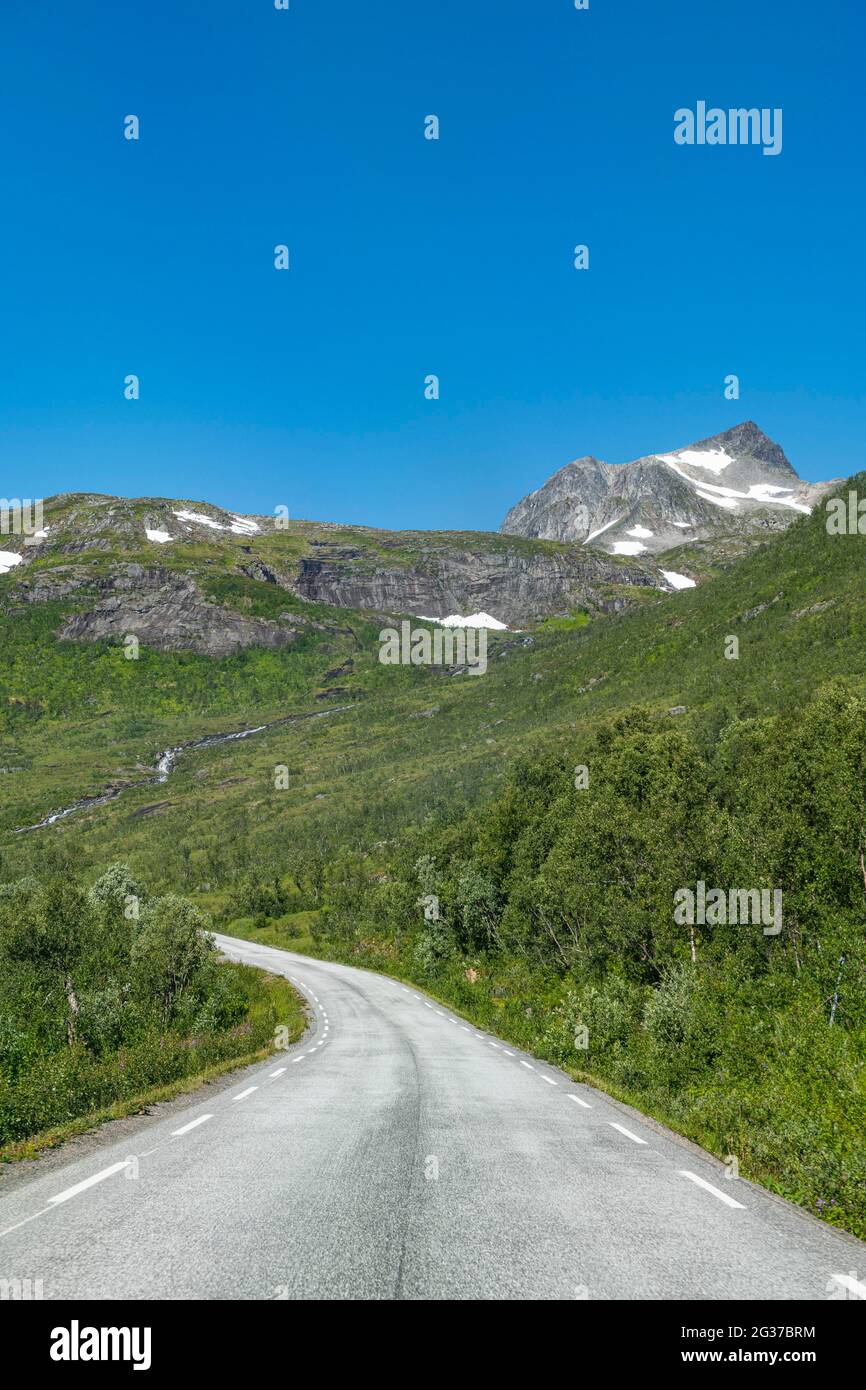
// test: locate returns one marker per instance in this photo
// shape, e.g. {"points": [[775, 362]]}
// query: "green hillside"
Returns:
{"points": [[78, 716], [558, 902]]}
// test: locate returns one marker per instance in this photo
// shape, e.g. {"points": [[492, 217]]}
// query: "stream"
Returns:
{"points": [[167, 763]]}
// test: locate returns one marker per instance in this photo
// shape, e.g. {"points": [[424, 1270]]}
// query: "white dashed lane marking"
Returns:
{"points": [[68, 1192], [845, 1280], [853, 1285], [635, 1138], [708, 1187], [193, 1124]]}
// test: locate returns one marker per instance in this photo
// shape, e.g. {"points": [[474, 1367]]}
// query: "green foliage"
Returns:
{"points": [[169, 953], [115, 891], [97, 1006], [555, 904], [569, 895]]}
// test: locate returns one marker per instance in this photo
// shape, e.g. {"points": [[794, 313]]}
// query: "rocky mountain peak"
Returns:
{"points": [[737, 481], [748, 439]]}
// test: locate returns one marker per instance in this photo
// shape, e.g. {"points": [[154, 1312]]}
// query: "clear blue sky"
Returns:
{"points": [[411, 257]]}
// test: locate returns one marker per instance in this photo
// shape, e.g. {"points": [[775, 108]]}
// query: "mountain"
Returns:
{"points": [[191, 575], [735, 484], [78, 718], [181, 575]]}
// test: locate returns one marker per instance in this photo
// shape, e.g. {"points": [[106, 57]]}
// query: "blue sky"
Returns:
{"points": [[410, 257]]}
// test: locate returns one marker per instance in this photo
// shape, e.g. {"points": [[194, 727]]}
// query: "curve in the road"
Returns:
{"points": [[399, 1152]]}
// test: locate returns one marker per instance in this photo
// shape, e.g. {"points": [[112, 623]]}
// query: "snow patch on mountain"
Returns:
{"points": [[764, 493], [240, 525], [678, 581], [606, 527], [474, 620], [730, 503], [201, 519], [714, 459]]}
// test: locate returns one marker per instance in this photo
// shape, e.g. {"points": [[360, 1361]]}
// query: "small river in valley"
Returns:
{"points": [[166, 764]]}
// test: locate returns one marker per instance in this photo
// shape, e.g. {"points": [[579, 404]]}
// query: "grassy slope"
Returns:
{"points": [[89, 716]]}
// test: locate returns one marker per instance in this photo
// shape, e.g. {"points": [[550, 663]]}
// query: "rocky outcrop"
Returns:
{"points": [[90, 541], [48, 586], [258, 570], [512, 585], [168, 612]]}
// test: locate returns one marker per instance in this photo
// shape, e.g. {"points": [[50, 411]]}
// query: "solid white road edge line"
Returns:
{"points": [[25, 1222]]}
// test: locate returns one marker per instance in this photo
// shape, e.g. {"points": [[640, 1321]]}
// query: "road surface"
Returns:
{"points": [[397, 1152]]}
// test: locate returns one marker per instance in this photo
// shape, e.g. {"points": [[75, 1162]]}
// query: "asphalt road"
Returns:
{"points": [[399, 1153]]}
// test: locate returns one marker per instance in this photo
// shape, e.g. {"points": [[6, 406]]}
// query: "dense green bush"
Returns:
{"points": [[107, 993]]}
